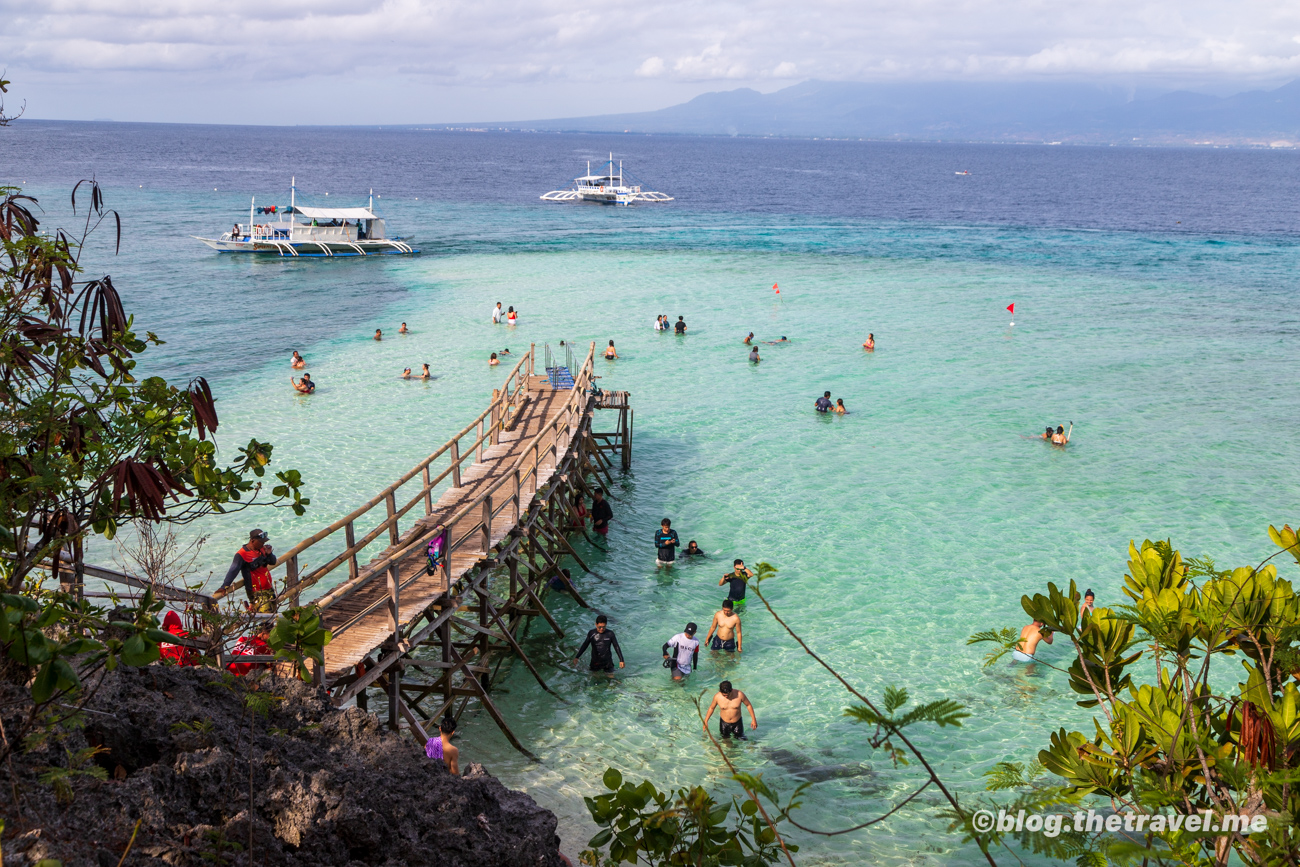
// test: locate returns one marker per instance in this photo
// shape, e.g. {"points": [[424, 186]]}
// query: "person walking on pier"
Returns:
{"points": [[687, 652], [728, 701], [601, 640], [440, 747], [601, 513], [253, 561]]}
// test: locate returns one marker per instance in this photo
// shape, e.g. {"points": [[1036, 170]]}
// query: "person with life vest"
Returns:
{"points": [[254, 561], [177, 653], [251, 645]]}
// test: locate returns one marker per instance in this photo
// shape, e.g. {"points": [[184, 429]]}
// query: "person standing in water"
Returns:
{"points": [[1060, 438], [297, 362], [610, 352], [728, 701], [601, 640], [304, 385], [1088, 600], [440, 747], [753, 355], [403, 330], [511, 316], [840, 408], [666, 542], [406, 373], [379, 334], [727, 624], [424, 372], [492, 360], [680, 327], [823, 403], [601, 513], [687, 651], [1028, 643], [870, 345], [737, 578], [497, 314]]}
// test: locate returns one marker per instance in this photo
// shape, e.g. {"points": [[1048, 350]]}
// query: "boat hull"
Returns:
{"points": [[312, 249]]}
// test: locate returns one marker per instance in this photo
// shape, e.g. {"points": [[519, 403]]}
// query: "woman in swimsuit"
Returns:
{"points": [[511, 316], [424, 374], [492, 361], [297, 362], [870, 345], [839, 407], [610, 353], [579, 513]]}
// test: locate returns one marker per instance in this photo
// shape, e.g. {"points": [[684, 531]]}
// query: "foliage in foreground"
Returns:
{"points": [[1170, 739]]}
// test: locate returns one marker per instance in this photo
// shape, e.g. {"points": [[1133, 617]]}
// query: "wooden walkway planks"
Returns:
{"points": [[362, 621]]}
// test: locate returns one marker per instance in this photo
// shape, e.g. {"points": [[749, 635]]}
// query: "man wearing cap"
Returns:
{"points": [[687, 650], [253, 561]]}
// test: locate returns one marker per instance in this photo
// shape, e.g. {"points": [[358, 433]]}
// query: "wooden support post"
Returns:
{"points": [[492, 709], [527, 588], [394, 604], [349, 535], [428, 486], [483, 636], [478, 449], [390, 501], [455, 463], [518, 493], [487, 523], [291, 579], [394, 676], [532, 354], [627, 441], [494, 417]]}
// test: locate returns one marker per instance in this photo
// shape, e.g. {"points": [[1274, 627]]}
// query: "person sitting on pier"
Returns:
{"points": [[728, 702], [251, 645], [610, 352], [601, 640], [440, 747], [680, 327], [665, 542], [492, 360], [304, 385], [727, 624], [601, 513], [687, 650], [692, 550]]}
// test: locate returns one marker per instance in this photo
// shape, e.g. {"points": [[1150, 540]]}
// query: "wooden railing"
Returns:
{"points": [[484, 508], [486, 428]]}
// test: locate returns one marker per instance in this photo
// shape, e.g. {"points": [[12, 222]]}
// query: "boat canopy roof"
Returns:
{"points": [[336, 213]]}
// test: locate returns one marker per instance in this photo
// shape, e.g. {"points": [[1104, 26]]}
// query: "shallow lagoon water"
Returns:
{"points": [[899, 529]]}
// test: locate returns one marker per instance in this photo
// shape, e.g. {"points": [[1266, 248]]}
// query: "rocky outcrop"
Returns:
{"points": [[218, 770]]}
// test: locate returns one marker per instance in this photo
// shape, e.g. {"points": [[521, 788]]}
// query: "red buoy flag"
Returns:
{"points": [[778, 291], [1011, 308]]}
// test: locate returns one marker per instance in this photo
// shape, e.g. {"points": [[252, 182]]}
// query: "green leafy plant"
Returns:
{"points": [[80, 764], [1171, 735], [299, 636]]}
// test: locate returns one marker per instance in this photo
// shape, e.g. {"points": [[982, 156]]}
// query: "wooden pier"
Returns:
{"points": [[499, 494]]}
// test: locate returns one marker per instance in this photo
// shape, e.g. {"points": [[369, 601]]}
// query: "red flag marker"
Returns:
{"points": [[1011, 308], [778, 291]]}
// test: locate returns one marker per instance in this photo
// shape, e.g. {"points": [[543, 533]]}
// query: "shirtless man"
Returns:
{"points": [[1029, 638], [728, 702], [304, 385], [727, 624]]}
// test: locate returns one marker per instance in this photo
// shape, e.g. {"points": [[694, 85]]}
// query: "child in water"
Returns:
{"points": [[492, 361]]}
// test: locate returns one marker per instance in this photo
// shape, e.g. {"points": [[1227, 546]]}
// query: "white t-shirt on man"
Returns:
{"points": [[497, 314], [685, 650]]}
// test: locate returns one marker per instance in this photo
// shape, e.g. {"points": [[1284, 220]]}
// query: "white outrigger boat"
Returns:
{"points": [[304, 231], [605, 189]]}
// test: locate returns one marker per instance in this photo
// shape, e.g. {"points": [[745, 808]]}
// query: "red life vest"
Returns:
{"points": [[249, 645], [261, 576], [178, 653]]}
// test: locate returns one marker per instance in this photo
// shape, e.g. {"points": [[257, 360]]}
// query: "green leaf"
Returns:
{"points": [[613, 781], [139, 651], [601, 839]]}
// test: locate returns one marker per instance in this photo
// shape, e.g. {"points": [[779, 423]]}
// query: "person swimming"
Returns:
{"points": [[1060, 438], [840, 408], [1047, 434], [783, 339], [402, 330], [379, 334], [492, 360], [505, 351], [692, 550], [406, 373], [749, 339]]}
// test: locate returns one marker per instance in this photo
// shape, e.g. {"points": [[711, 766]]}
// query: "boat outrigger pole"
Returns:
{"points": [[251, 202]]}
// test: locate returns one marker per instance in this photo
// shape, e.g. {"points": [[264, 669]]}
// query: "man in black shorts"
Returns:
{"points": [[728, 701], [680, 327], [602, 641]]}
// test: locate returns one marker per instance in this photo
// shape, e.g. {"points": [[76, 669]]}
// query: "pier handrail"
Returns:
{"points": [[498, 415], [525, 466]]}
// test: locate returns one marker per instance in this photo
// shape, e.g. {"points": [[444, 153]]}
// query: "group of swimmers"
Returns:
{"points": [[1036, 632], [662, 324], [1060, 436], [304, 385], [493, 360], [507, 317]]}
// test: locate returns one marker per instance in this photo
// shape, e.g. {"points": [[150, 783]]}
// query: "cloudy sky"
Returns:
{"points": [[414, 61]]}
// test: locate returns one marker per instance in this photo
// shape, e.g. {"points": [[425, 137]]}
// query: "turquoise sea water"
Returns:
{"points": [[899, 529]]}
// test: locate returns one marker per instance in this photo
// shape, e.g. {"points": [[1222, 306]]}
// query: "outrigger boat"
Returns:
{"points": [[304, 231], [605, 189]]}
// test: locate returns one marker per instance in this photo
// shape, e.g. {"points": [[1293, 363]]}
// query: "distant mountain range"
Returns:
{"points": [[960, 111]]}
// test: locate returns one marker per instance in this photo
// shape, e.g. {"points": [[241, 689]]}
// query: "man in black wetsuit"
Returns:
{"points": [[602, 640], [601, 513]]}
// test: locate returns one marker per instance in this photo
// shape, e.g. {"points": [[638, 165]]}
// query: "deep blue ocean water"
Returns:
{"points": [[1155, 295]]}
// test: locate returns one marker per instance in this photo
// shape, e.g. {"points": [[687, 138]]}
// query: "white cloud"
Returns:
{"points": [[663, 44]]}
